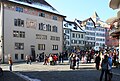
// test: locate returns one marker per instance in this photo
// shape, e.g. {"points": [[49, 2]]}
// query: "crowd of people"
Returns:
{"points": [[103, 60], [53, 59]]}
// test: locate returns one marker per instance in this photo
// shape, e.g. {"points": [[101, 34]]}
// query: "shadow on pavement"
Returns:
{"points": [[71, 75], [10, 76]]}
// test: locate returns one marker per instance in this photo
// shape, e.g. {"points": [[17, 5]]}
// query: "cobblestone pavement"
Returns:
{"points": [[61, 72]]}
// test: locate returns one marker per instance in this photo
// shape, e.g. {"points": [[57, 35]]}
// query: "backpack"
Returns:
{"points": [[104, 65]]}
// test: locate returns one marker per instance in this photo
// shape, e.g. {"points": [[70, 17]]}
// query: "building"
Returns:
{"points": [[74, 37], [95, 32], [90, 34], [115, 24], [29, 27]]}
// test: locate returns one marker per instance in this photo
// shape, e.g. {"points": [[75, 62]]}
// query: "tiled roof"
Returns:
{"points": [[74, 24], [39, 4], [35, 1]]}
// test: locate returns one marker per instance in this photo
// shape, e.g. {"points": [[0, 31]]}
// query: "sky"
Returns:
{"points": [[83, 9]]}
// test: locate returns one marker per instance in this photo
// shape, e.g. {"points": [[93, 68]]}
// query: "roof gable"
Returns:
{"points": [[35, 1]]}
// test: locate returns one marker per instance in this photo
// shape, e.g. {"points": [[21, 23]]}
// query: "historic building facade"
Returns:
{"points": [[29, 28], [74, 37], [95, 32]]}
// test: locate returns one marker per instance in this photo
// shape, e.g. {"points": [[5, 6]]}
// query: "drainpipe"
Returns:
{"points": [[2, 24]]}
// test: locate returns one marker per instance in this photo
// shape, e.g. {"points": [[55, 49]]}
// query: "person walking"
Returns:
{"points": [[73, 62], [104, 67], [51, 59], [30, 59], [27, 59], [70, 60], [97, 61], [10, 63], [110, 68], [77, 61], [45, 60]]}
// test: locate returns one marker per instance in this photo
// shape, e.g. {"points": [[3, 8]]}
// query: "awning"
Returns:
{"points": [[114, 4]]}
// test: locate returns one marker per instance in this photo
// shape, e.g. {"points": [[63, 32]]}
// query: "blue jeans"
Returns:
{"points": [[102, 73], [10, 67]]}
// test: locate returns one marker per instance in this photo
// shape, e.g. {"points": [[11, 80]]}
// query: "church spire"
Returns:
{"points": [[95, 15]]}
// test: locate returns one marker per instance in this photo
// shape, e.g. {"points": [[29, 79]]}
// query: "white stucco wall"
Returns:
{"points": [[30, 35]]}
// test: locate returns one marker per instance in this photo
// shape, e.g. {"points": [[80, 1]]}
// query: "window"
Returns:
{"points": [[41, 46], [16, 56], [52, 38], [57, 38], [22, 23], [15, 33], [67, 37], [88, 23], [67, 31], [81, 35], [40, 36], [54, 17], [19, 9], [48, 27], [72, 41], [44, 37], [54, 28], [67, 43], [15, 22], [73, 35], [19, 46], [75, 41], [19, 22], [54, 47], [42, 14], [66, 25], [22, 56], [41, 26], [20, 34], [78, 35], [79, 41]]}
